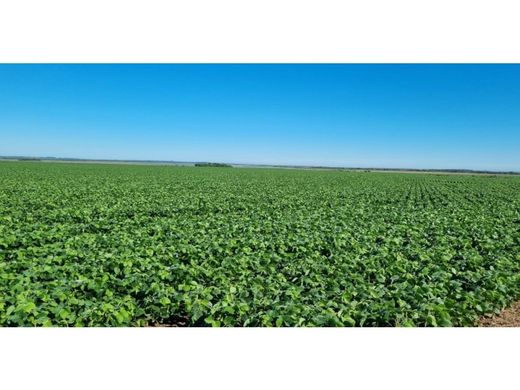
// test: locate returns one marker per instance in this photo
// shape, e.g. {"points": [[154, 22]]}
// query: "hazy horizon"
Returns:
{"points": [[366, 116], [173, 162]]}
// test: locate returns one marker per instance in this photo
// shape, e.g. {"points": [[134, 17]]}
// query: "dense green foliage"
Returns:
{"points": [[91, 244]]}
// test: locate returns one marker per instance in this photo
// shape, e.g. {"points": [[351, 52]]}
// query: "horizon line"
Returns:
{"points": [[172, 162]]}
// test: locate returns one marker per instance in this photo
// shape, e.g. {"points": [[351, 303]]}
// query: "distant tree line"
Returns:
{"points": [[205, 164]]}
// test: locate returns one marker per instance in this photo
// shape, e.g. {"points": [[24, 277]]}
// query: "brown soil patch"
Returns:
{"points": [[509, 317]]}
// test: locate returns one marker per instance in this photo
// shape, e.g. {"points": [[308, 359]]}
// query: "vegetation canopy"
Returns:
{"points": [[123, 245]]}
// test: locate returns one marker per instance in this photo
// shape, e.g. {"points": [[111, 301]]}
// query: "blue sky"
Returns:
{"points": [[410, 116]]}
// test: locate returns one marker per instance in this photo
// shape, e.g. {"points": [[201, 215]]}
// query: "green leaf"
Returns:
{"points": [[165, 301]]}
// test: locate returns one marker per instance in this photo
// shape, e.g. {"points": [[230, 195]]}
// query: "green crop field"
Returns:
{"points": [[130, 245]]}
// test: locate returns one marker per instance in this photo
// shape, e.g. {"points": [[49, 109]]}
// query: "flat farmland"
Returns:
{"points": [[138, 245]]}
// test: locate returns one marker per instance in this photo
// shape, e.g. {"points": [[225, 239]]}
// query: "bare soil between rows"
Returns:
{"points": [[509, 317]]}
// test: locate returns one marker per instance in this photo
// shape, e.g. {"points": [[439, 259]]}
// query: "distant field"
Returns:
{"points": [[139, 245]]}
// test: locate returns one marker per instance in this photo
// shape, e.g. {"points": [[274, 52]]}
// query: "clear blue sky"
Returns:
{"points": [[416, 116]]}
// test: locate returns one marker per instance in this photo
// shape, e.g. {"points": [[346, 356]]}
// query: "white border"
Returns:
{"points": [[259, 31], [259, 358]]}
